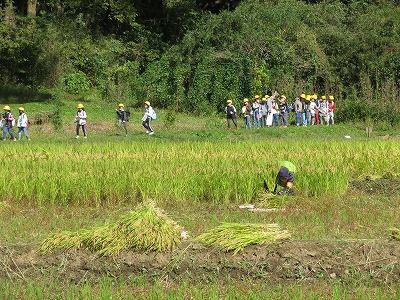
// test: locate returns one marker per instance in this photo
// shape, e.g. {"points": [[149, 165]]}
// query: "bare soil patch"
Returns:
{"points": [[373, 260], [387, 185]]}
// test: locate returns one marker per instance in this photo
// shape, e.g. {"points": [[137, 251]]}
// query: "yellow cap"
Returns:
{"points": [[256, 97], [245, 100], [323, 97], [21, 108], [147, 103], [315, 97], [263, 99], [80, 106], [121, 105], [331, 97], [267, 96], [6, 107], [308, 97], [229, 101], [303, 96], [283, 97]]}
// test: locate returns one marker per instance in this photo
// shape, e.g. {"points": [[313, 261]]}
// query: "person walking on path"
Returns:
{"points": [[22, 124], [246, 113], [80, 120], [8, 122], [122, 118], [306, 111], [149, 115], [317, 106], [313, 109], [284, 111], [256, 111], [264, 111], [331, 110], [323, 111], [298, 108], [275, 112], [230, 113]]}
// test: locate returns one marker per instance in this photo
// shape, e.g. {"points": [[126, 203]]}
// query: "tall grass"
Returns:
{"points": [[142, 288], [218, 172]]}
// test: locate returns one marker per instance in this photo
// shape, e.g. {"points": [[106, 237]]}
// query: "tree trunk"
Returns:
{"points": [[32, 8], [9, 12]]}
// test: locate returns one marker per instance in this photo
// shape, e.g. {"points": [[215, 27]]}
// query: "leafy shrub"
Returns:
{"points": [[76, 83], [170, 118]]}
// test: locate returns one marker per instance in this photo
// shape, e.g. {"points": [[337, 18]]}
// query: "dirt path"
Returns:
{"points": [[376, 260]]}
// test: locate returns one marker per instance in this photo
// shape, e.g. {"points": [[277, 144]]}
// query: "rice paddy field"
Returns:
{"points": [[197, 173]]}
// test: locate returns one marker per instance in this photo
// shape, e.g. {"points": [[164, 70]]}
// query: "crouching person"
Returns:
{"points": [[284, 179]]}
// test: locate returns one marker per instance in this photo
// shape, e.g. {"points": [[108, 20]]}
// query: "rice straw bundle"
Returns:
{"points": [[144, 229], [235, 237]]}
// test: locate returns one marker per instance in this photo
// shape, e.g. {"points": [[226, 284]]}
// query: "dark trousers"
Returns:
{"points": [[83, 129], [231, 119], [147, 124]]}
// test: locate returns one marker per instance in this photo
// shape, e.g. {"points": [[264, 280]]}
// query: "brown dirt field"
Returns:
{"points": [[388, 185], [376, 261]]}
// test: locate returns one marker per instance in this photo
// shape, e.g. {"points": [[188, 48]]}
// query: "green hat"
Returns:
{"points": [[287, 164]]}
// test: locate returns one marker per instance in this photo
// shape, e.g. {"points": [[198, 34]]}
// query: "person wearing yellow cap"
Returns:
{"points": [[298, 109], [80, 120], [306, 116], [331, 110], [149, 115], [122, 118], [313, 109], [246, 113], [323, 111], [273, 112], [230, 110], [22, 124], [256, 112], [8, 122], [263, 112], [318, 103], [284, 111]]}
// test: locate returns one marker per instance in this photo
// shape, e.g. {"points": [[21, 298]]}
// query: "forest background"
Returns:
{"points": [[191, 56]]}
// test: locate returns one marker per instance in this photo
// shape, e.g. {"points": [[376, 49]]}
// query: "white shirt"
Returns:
{"points": [[22, 120], [313, 106], [81, 117], [149, 113]]}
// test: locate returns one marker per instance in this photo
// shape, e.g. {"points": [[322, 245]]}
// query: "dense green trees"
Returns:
{"points": [[192, 55]]}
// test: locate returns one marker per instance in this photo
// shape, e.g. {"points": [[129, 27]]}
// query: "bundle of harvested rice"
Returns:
{"points": [[235, 237], [269, 200], [64, 240], [144, 229]]}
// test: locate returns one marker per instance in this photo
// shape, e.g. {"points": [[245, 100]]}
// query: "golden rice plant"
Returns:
{"points": [[395, 234], [64, 240], [269, 200], [145, 229], [235, 237], [4, 206]]}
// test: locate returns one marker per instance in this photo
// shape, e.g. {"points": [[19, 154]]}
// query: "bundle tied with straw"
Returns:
{"points": [[144, 229], [235, 237]]}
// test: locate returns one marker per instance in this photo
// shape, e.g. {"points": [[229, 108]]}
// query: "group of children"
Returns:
{"points": [[122, 117], [274, 111], [7, 121]]}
